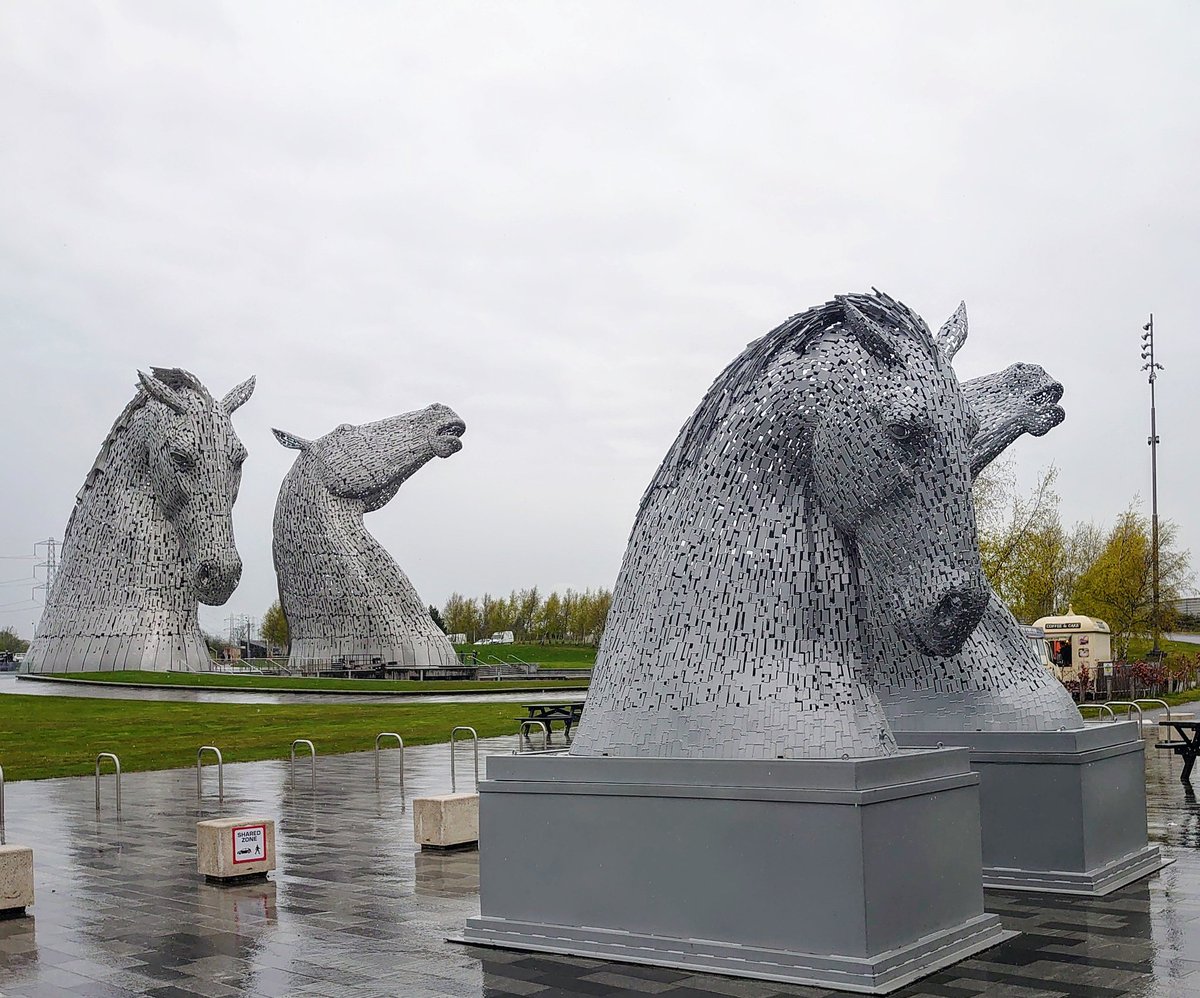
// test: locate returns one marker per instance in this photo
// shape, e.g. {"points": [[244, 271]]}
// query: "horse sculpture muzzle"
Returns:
{"points": [[217, 578], [942, 626]]}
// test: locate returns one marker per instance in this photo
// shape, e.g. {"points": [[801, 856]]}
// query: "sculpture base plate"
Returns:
{"points": [[881, 974], [861, 875], [1063, 812]]}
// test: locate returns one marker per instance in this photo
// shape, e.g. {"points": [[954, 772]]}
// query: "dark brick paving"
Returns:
{"points": [[355, 911]]}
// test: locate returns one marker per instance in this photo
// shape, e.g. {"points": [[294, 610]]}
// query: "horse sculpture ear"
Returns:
{"points": [[954, 333], [239, 396], [868, 332], [164, 393], [291, 440]]}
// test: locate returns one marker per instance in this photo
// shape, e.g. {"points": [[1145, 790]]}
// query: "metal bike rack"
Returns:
{"points": [[1166, 707], [1099, 706], [523, 734], [400, 743], [313, 752], [220, 770], [116, 772], [475, 740], [1127, 703]]}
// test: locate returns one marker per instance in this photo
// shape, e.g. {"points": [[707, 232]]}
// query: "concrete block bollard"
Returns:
{"points": [[16, 880], [230, 850], [447, 821]]}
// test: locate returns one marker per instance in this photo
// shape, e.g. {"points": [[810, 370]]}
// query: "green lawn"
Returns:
{"points": [[253, 681], [1138, 648], [42, 737], [550, 656]]}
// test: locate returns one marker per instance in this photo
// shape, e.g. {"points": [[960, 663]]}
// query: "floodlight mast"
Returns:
{"points": [[1153, 368]]}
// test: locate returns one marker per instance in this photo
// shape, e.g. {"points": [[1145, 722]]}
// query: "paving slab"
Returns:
{"points": [[355, 909]]}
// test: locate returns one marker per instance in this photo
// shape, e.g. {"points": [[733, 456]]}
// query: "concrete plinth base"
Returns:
{"points": [[16, 880], [1063, 812], [234, 850], [447, 821], [862, 875]]}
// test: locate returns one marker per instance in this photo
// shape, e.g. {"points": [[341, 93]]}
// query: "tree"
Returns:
{"points": [[1118, 585], [274, 627], [461, 616], [437, 618], [1022, 544], [10, 642]]}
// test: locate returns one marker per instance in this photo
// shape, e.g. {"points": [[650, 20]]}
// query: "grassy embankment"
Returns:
{"points": [[548, 656], [43, 737]]}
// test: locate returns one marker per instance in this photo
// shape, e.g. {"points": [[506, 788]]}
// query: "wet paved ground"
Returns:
{"points": [[9, 684], [355, 911]]}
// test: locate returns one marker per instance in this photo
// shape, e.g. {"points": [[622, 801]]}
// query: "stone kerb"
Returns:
{"points": [[231, 850], [446, 821], [16, 880]]}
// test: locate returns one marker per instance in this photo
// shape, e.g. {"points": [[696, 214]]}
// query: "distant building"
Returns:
{"points": [[1188, 607]]}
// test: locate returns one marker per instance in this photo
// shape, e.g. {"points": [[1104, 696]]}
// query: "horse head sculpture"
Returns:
{"points": [[194, 466], [827, 471], [150, 536], [344, 597]]}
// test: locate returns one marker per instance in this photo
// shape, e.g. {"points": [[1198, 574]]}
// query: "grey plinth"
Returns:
{"points": [[1063, 812], [862, 874]]}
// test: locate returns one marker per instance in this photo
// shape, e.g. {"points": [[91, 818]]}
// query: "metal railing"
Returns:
{"points": [[1, 796], [475, 740], [523, 734], [1166, 706], [116, 772], [220, 771], [1099, 706], [400, 745], [1130, 705], [313, 754]]}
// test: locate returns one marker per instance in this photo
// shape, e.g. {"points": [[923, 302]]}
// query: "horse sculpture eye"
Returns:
{"points": [[903, 433], [181, 461]]}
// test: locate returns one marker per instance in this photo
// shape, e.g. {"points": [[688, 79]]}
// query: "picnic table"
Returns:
{"points": [[1187, 749], [567, 712]]}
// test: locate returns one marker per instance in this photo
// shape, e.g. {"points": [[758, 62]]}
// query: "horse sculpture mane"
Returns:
{"points": [[345, 598], [797, 333], [150, 534], [838, 440]]}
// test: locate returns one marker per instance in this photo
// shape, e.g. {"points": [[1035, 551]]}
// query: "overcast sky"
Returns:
{"points": [[562, 220]]}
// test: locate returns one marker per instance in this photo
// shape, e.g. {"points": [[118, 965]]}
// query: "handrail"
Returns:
{"points": [[475, 740], [1100, 706], [523, 733], [390, 734], [313, 753], [1127, 703], [116, 773], [220, 771], [1166, 707]]}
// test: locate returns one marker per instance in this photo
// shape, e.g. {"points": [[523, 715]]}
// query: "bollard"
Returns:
{"points": [[400, 741], [16, 879], [233, 850], [313, 755], [116, 772], [475, 740], [220, 771]]}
